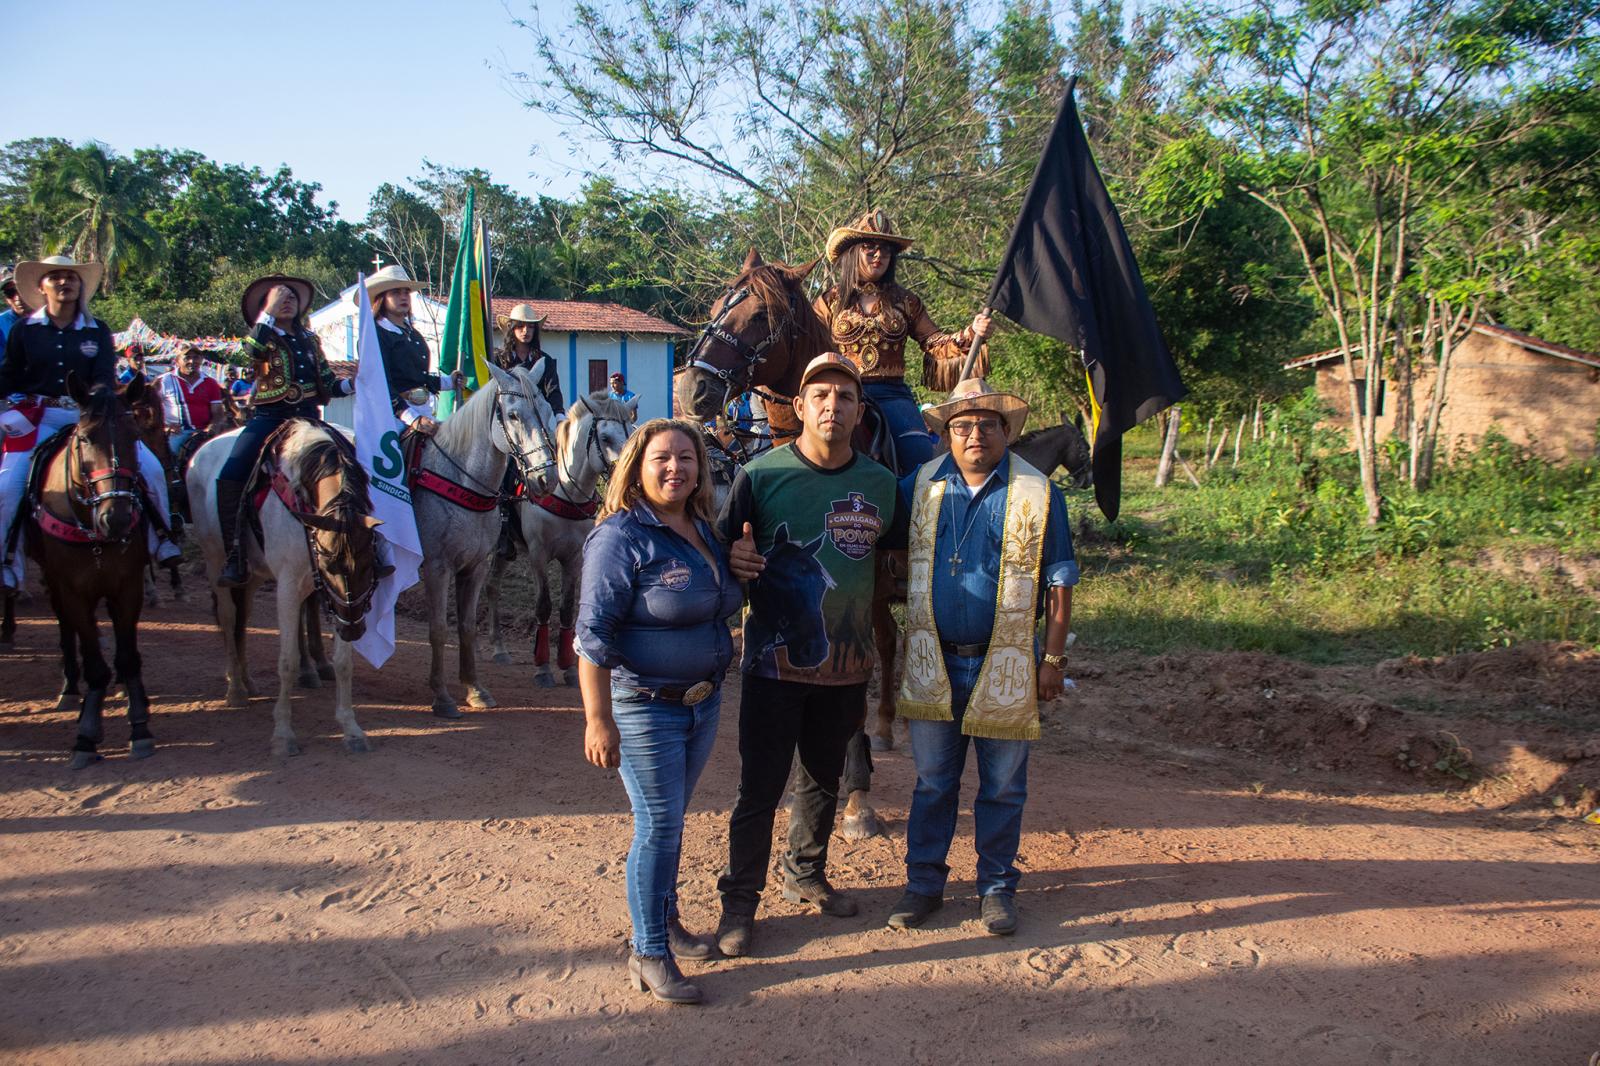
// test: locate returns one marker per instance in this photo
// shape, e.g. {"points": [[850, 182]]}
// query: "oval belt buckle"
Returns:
{"points": [[415, 397], [697, 693]]}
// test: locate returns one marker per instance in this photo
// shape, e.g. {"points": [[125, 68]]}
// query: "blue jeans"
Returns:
{"points": [[912, 445], [664, 748], [940, 752]]}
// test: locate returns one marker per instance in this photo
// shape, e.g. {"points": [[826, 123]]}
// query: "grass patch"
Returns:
{"points": [[1275, 555]]}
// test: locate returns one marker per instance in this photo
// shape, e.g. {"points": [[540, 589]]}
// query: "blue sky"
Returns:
{"points": [[356, 95]]}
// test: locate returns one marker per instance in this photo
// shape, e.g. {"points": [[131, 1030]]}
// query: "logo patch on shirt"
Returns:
{"points": [[89, 348], [675, 576], [853, 525]]}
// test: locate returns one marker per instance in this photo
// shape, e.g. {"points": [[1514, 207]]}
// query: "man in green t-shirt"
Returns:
{"points": [[803, 522]]}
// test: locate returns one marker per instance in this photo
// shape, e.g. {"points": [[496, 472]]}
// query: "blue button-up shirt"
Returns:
{"points": [[963, 602], [652, 610]]}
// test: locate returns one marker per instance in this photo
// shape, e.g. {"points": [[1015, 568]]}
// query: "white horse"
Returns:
{"points": [[589, 442], [507, 420], [326, 545]]}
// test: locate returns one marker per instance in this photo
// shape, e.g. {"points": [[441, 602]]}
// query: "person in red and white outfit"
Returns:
{"points": [[189, 399]]}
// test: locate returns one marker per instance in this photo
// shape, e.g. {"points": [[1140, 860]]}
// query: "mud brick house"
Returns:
{"points": [[1537, 393]]}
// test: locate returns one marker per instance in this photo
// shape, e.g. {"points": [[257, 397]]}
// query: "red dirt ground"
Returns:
{"points": [[1227, 859]]}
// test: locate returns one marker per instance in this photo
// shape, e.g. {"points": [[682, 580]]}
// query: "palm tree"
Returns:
{"points": [[95, 202]]}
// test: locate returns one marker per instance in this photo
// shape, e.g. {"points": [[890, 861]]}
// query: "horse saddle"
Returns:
{"points": [[269, 477], [418, 477], [24, 522]]}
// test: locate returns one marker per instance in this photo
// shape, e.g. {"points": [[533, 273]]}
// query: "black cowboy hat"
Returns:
{"points": [[255, 294]]}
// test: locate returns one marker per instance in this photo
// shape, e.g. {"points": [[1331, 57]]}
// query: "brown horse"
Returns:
{"points": [[87, 535], [762, 333]]}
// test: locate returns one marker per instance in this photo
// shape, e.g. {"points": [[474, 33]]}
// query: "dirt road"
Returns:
{"points": [[1227, 859]]}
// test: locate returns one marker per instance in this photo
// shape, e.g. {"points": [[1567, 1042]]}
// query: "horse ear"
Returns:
{"points": [[812, 546], [501, 378], [76, 389], [781, 535], [633, 405], [135, 390], [370, 522], [801, 272], [751, 261]]}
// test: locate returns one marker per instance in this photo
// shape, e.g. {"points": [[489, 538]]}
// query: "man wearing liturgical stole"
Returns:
{"points": [[990, 551]]}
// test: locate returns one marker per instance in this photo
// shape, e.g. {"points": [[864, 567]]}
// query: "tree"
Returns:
{"points": [[95, 202], [1349, 120]]}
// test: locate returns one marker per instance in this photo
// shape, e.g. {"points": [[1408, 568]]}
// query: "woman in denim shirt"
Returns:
{"points": [[654, 646]]}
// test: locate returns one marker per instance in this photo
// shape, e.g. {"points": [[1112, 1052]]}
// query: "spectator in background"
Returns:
{"points": [[15, 310], [619, 388], [132, 364], [189, 399]]}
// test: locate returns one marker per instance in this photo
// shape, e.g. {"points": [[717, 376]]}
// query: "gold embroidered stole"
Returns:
{"points": [[1004, 702]]}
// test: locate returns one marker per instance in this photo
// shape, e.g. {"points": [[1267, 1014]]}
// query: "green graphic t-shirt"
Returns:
{"points": [[811, 609]]}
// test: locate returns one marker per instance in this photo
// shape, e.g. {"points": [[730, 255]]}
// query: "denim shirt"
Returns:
{"points": [[963, 603], [651, 609]]}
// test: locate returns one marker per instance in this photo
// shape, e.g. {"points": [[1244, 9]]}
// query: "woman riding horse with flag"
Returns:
{"points": [[870, 316]]}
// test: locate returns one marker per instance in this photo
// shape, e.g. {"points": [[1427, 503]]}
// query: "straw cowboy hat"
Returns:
{"points": [[255, 294], [974, 394], [31, 273], [392, 276], [872, 226], [520, 313]]}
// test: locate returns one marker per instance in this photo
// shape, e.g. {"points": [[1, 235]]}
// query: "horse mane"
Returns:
{"points": [[313, 452], [773, 283], [104, 406]]}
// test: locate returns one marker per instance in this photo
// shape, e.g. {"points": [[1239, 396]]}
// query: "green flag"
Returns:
{"points": [[465, 343]]}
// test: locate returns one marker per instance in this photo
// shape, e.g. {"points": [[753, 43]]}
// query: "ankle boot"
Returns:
{"points": [[230, 506], [507, 546], [684, 944], [662, 979]]}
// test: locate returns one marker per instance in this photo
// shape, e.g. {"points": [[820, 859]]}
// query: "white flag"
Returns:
{"points": [[378, 449]]}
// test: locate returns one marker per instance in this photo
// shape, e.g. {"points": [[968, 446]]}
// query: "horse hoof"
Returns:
{"points": [[308, 679], [143, 749], [544, 680], [236, 700], [67, 701], [862, 826], [285, 748], [878, 743], [357, 745], [325, 671], [503, 658], [448, 711], [572, 679], [81, 759], [480, 699]]}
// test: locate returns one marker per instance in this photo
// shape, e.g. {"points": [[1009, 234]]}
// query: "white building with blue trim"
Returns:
{"points": [[590, 341]]}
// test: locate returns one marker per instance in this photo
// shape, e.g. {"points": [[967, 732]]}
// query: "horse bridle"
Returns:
{"points": [[345, 612], [519, 461], [591, 443], [125, 484], [738, 379]]}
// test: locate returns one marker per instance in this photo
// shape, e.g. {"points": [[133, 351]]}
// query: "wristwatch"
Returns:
{"points": [[1057, 661]]}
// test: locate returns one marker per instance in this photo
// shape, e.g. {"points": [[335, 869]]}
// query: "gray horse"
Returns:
{"points": [[505, 421], [589, 442]]}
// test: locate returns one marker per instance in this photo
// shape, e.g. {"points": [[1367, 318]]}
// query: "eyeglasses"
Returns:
{"points": [[873, 247], [987, 427]]}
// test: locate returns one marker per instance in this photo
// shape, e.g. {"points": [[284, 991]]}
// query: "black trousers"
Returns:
{"points": [[777, 720]]}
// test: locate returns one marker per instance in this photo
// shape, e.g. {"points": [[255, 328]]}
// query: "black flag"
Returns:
{"points": [[1069, 272]]}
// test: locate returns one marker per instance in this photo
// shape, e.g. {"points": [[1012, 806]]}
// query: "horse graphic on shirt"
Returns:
{"points": [[789, 594]]}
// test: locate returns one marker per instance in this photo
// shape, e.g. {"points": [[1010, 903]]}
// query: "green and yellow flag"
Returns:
{"points": [[467, 325]]}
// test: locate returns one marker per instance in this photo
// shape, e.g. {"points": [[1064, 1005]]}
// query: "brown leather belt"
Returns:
{"points": [[965, 651]]}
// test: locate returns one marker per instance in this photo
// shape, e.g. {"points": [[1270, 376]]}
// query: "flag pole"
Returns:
{"points": [[972, 353]]}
